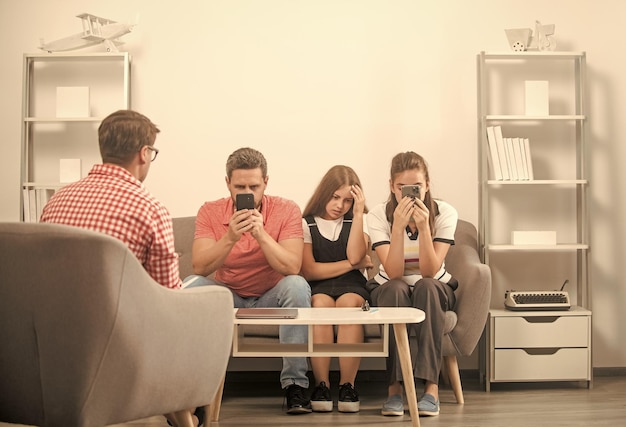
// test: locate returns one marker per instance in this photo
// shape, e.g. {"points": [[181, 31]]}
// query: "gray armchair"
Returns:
{"points": [[89, 339], [466, 323]]}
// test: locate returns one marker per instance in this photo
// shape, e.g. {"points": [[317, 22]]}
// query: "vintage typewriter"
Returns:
{"points": [[537, 300]]}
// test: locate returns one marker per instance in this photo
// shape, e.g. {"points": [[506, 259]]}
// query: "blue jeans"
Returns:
{"points": [[290, 291]]}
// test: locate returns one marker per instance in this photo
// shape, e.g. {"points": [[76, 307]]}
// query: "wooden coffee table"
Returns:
{"points": [[396, 316]]}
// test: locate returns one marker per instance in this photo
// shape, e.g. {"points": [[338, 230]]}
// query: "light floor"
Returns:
{"points": [[258, 402]]}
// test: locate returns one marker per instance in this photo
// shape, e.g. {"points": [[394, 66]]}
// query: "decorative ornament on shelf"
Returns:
{"points": [[522, 39], [96, 30]]}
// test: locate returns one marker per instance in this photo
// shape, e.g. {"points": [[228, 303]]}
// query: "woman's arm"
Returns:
{"points": [[392, 256], [432, 254], [357, 240], [313, 270]]}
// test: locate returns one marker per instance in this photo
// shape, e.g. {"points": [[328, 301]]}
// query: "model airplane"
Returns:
{"points": [[96, 30]]}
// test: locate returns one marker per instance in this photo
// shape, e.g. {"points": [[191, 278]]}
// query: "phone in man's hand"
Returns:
{"points": [[412, 191], [244, 201]]}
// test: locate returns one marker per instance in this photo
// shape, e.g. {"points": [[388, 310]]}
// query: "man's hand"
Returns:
{"points": [[256, 224], [242, 221]]}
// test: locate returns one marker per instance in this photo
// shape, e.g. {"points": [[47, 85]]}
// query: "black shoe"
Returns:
{"points": [[199, 413], [297, 402], [348, 399], [320, 399]]}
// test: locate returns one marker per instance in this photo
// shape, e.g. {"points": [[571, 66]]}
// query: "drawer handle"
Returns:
{"points": [[541, 319], [541, 351]]}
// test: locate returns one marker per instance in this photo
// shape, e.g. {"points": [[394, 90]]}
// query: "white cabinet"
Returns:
{"points": [[65, 97], [538, 97], [539, 346]]}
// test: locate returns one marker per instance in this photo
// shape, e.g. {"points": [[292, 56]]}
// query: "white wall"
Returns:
{"points": [[316, 83]]}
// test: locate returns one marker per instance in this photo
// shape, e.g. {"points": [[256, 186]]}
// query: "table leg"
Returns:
{"points": [[212, 411], [404, 353]]}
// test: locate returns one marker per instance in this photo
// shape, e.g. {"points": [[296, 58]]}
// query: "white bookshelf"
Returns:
{"points": [[555, 200], [46, 138]]}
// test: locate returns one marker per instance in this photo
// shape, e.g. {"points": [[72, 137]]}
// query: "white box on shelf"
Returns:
{"points": [[536, 101], [69, 170], [72, 101], [533, 237]]}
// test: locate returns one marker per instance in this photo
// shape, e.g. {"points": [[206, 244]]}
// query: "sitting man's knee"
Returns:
{"points": [[195, 280], [295, 291]]}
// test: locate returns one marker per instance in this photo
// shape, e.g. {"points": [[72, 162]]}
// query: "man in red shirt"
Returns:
{"points": [[257, 254], [112, 199]]}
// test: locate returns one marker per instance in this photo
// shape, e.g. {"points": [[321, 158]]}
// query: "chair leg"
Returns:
{"points": [[183, 418], [452, 368]]}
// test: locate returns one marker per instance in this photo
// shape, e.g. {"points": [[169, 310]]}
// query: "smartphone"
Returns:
{"points": [[244, 201], [412, 191]]}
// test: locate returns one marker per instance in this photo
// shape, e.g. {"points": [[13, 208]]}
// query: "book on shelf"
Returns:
{"points": [[34, 199], [493, 157], [26, 204], [32, 205], [510, 155], [522, 149], [519, 159], [529, 163], [536, 100], [504, 162]]}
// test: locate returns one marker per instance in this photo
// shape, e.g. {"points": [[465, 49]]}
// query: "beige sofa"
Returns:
{"points": [[464, 325]]}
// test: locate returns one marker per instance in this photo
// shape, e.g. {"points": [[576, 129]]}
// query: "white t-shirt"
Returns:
{"points": [[379, 231], [329, 228]]}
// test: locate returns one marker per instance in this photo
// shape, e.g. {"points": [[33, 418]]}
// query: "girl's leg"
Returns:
{"points": [[349, 334], [322, 334]]}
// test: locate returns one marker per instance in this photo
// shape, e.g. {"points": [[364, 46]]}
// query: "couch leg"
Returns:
{"points": [[452, 369]]}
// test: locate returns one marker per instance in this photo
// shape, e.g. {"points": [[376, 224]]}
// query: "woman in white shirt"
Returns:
{"points": [[411, 235]]}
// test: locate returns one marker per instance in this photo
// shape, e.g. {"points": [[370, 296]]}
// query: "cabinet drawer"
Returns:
{"points": [[528, 365], [541, 331]]}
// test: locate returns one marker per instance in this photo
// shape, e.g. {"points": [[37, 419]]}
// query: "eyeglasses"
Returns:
{"points": [[155, 152]]}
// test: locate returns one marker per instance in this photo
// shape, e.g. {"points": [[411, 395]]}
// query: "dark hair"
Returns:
{"points": [[335, 178], [408, 161], [246, 158], [122, 134]]}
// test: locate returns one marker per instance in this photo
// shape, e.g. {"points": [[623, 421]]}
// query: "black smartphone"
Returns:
{"points": [[244, 201], [412, 191]]}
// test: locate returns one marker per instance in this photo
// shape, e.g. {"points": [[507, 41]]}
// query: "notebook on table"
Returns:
{"points": [[266, 313]]}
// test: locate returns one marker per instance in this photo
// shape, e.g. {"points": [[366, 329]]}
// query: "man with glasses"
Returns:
{"points": [[112, 199]]}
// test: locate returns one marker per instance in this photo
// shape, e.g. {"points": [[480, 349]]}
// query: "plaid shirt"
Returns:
{"points": [[111, 200]]}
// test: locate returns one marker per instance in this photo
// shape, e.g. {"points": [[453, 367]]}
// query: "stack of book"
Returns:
{"points": [[34, 201], [509, 158]]}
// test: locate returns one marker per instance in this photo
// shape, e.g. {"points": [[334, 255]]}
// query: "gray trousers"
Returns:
{"points": [[434, 298]]}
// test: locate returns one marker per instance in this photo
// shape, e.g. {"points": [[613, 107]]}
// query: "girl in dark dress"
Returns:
{"points": [[335, 255]]}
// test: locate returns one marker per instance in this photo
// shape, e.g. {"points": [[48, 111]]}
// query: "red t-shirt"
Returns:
{"points": [[246, 270], [111, 200]]}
